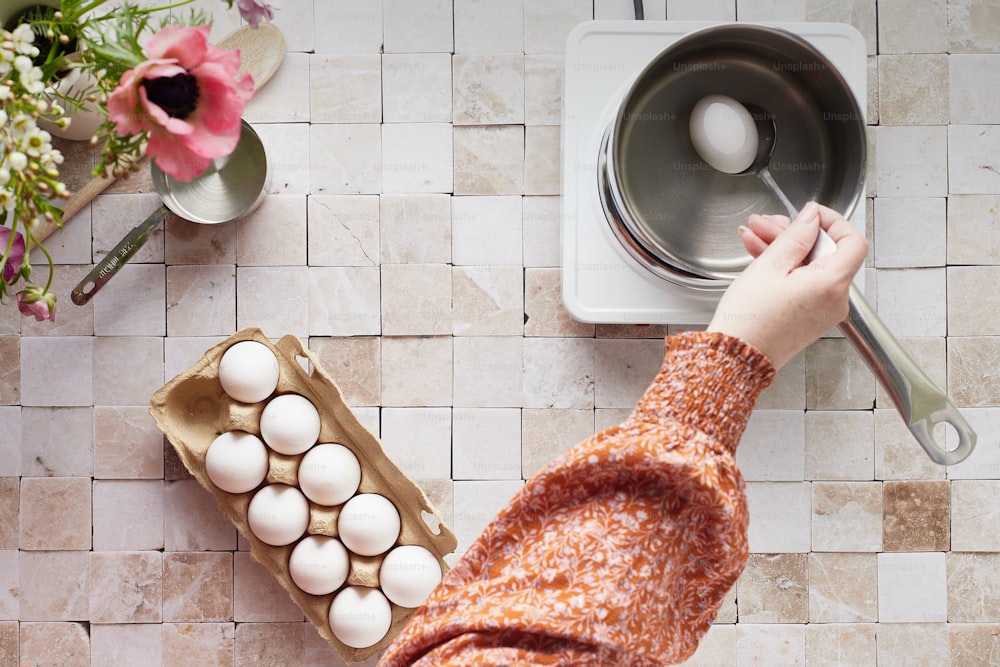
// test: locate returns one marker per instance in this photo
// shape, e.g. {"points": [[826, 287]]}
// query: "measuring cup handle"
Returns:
{"points": [[919, 401], [115, 259]]}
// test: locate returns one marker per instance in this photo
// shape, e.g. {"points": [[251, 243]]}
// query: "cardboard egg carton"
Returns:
{"points": [[192, 410]]}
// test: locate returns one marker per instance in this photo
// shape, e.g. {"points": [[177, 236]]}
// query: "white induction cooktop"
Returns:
{"points": [[600, 281]]}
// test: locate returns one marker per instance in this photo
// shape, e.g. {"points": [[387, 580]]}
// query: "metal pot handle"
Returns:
{"points": [[919, 401]]}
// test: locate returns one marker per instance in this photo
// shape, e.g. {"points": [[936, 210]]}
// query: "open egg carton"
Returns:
{"points": [[367, 572]]}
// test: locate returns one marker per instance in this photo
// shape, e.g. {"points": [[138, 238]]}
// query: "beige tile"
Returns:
{"points": [[909, 232], [488, 89], [780, 516], [415, 228], [127, 444], [973, 587], [9, 600], [859, 13], [912, 588], [545, 434], [973, 229], [547, 23], [416, 88], [487, 231], [543, 82], [425, 27], [913, 302], [345, 88], [897, 454], [489, 160], [201, 300], [9, 642], [416, 299], [486, 443], [542, 160], [289, 149], [912, 161], [343, 26], [482, 26], [839, 445], [487, 301], [716, 649], [10, 448], [192, 520], [969, 76], [257, 596], [54, 585], [968, 385], [57, 442], [197, 587], [969, 642], [605, 418], [836, 377], [842, 588], [417, 157], [126, 587], [215, 642], [917, 516], [871, 113], [974, 26], [274, 234], [10, 512], [974, 515], [477, 504], [772, 446], [133, 304], [913, 26], [63, 644], [128, 515], [190, 243], [344, 301], [488, 371], [71, 319], [54, 371], [913, 89], [114, 215], [835, 644], [126, 643], [114, 385], [847, 516], [788, 391], [417, 371], [625, 369], [973, 300], [345, 158], [419, 440], [559, 373], [973, 159], [770, 643], [55, 513], [912, 643], [285, 99], [354, 363], [984, 462], [544, 312], [260, 288], [774, 588]]}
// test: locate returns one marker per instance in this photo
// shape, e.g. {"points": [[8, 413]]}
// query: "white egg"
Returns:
{"points": [[329, 474], [319, 564], [724, 134], [248, 371], [290, 424], [236, 462], [278, 514], [360, 616], [368, 524], [408, 574]]}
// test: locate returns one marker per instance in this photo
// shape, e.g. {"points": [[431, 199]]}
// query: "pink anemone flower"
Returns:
{"points": [[255, 11], [38, 302], [13, 264], [187, 97]]}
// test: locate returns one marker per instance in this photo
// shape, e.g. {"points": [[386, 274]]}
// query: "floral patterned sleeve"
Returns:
{"points": [[621, 550]]}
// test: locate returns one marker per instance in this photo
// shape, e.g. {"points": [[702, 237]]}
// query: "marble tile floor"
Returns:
{"points": [[411, 237]]}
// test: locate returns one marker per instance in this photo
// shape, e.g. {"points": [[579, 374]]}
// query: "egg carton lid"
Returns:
{"points": [[193, 409]]}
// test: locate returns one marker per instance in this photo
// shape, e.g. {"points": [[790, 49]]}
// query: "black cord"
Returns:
{"points": [[638, 10]]}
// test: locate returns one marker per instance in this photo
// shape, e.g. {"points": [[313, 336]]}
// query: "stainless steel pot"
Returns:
{"points": [[673, 212], [676, 215]]}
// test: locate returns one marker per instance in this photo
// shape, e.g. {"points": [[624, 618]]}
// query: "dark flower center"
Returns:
{"points": [[177, 95]]}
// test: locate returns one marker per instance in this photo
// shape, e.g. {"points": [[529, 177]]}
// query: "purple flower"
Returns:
{"points": [[38, 302], [13, 265], [255, 11]]}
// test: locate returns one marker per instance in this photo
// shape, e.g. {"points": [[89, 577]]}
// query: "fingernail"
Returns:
{"points": [[808, 212], [742, 230]]}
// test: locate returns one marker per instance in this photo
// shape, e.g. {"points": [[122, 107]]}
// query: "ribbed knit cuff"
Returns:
{"points": [[710, 382]]}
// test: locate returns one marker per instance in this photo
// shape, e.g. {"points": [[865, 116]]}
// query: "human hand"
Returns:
{"points": [[780, 305]]}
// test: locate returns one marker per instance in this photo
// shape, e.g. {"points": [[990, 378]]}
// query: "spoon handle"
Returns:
{"points": [[918, 400]]}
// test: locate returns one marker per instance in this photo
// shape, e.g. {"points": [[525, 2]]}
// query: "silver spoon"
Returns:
{"points": [[717, 125]]}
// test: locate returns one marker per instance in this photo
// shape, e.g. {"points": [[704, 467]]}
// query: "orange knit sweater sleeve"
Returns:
{"points": [[622, 549]]}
